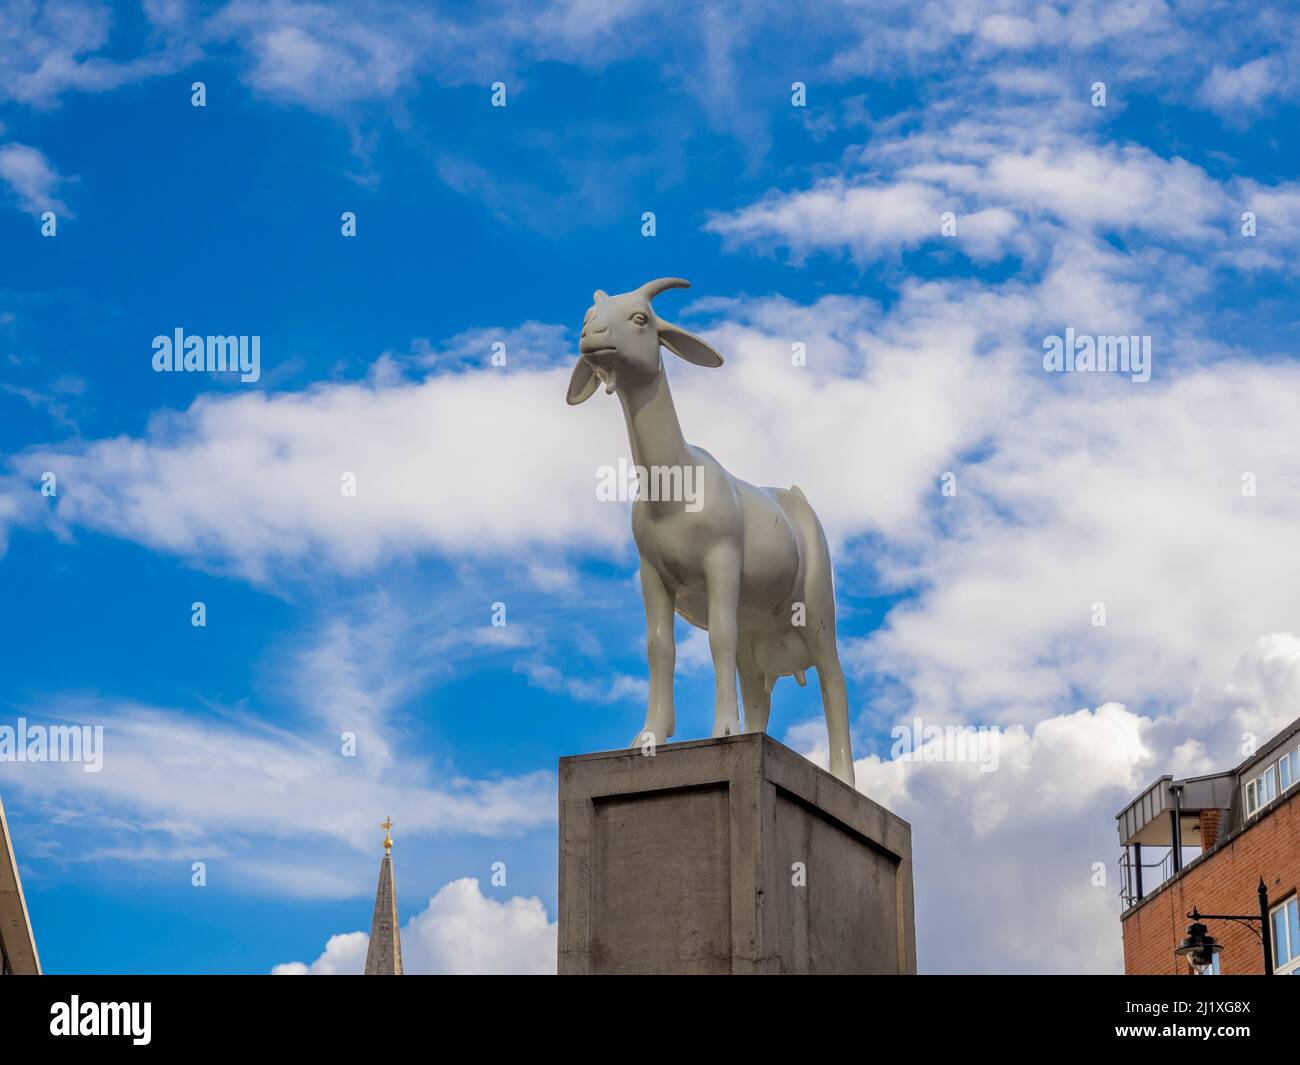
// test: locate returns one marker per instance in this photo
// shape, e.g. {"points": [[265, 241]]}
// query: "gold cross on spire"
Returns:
{"points": [[387, 826]]}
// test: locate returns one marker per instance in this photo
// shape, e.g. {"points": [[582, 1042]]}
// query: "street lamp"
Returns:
{"points": [[1200, 947]]}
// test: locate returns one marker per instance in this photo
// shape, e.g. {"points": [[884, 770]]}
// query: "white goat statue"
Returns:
{"points": [[750, 565]]}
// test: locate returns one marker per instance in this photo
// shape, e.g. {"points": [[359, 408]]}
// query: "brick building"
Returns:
{"points": [[1213, 839]]}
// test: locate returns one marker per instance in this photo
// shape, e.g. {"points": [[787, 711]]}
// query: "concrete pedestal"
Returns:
{"points": [[733, 855]]}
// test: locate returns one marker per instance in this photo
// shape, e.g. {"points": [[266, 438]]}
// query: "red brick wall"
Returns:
{"points": [[1210, 823], [1224, 882]]}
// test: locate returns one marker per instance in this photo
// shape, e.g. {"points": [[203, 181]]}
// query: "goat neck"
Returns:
{"points": [[652, 426]]}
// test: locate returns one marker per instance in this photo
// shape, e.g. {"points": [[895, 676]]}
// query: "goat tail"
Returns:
{"points": [[799, 492]]}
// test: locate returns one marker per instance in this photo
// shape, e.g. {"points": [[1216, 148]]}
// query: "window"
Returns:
{"points": [[1261, 791], [1288, 769], [1286, 938]]}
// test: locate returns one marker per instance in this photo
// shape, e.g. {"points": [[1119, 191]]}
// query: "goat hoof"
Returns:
{"points": [[651, 735]]}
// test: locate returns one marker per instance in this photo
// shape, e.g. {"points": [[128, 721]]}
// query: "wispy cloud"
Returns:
{"points": [[212, 781], [49, 49], [31, 179], [418, 487]]}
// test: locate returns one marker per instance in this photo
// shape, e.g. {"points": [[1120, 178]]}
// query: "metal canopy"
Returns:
{"points": [[1146, 819]]}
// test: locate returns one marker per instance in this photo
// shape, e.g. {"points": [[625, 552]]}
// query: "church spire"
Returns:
{"points": [[384, 956]]}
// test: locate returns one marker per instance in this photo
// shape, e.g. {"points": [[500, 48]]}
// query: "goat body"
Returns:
{"points": [[749, 565]]}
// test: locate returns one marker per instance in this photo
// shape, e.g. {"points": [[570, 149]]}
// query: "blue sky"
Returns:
{"points": [[475, 225]]}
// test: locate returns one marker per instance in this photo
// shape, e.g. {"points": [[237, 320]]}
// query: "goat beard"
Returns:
{"points": [[607, 377]]}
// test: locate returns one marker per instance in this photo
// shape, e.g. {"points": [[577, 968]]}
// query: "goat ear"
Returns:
{"points": [[583, 382], [687, 345]]}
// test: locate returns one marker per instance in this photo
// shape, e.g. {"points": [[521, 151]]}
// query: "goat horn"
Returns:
{"points": [[662, 284]]}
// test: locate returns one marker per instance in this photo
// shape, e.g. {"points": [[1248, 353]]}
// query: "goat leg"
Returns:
{"points": [[722, 582], [661, 651]]}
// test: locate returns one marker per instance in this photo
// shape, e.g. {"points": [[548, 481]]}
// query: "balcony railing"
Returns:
{"points": [[1151, 881]]}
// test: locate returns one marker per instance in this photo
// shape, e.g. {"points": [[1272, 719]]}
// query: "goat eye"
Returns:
{"points": [[639, 318]]}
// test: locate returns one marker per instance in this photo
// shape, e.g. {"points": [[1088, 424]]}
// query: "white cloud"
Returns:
{"points": [[902, 398], [31, 179], [460, 933], [552, 578], [1013, 188], [865, 218], [322, 56], [953, 366], [1230, 89], [615, 688], [273, 806], [1008, 31], [344, 955], [1071, 491], [47, 49], [1151, 46], [329, 57], [466, 463], [326, 57], [202, 781], [693, 653], [1026, 838], [1277, 227], [1264, 692], [1035, 839], [532, 345], [1115, 494]]}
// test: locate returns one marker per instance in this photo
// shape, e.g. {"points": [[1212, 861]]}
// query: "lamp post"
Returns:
{"points": [[1200, 947]]}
